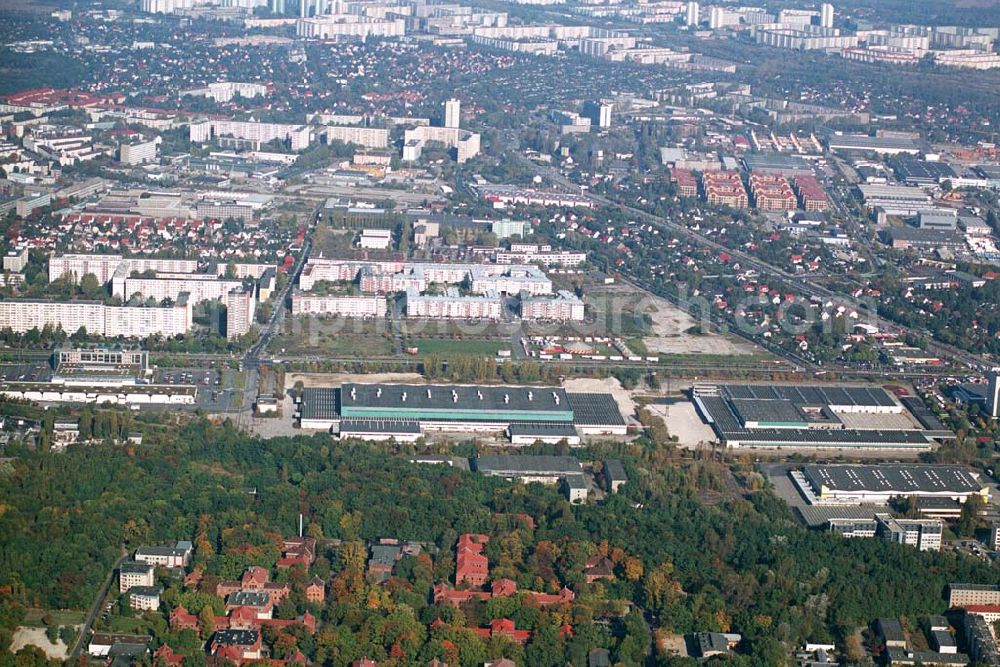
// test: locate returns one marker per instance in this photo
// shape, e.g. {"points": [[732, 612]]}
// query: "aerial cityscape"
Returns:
{"points": [[499, 333]]}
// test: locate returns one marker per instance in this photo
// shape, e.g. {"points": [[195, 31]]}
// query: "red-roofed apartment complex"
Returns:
{"points": [[724, 188], [811, 194], [771, 192]]}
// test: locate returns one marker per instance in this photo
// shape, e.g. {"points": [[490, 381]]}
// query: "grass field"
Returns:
{"points": [[333, 337], [33, 617], [445, 347]]}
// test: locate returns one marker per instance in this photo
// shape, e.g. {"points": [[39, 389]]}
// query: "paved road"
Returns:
{"points": [[96, 608], [252, 359]]}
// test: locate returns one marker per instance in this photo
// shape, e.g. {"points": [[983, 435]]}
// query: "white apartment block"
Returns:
{"points": [[517, 279], [964, 595], [399, 276], [540, 255], [167, 6], [564, 306], [465, 143], [199, 287], [178, 555], [204, 131], [105, 266], [98, 319], [16, 260], [138, 153], [244, 269], [241, 306], [144, 598], [348, 306], [452, 305], [967, 58], [134, 573], [348, 25], [369, 137], [225, 91]]}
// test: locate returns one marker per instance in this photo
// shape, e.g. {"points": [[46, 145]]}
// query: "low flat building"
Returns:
{"points": [[528, 433], [379, 430], [575, 488], [177, 555], [925, 658], [808, 417], [853, 483], [867, 144], [545, 469], [460, 408], [614, 475]]}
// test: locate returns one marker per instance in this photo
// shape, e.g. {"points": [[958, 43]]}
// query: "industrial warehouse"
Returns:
{"points": [[857, 484], [812, 417], [404, 412]]}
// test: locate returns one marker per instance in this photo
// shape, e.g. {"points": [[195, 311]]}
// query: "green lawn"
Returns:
{"points": [[33, 617], [445, 347]]}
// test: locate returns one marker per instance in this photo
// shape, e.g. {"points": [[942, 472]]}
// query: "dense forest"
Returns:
{"points": [[689, 552]]}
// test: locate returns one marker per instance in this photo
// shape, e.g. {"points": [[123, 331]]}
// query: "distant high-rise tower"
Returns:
{"points": [[826, 15], [277, 6], [693, 14], [716, 18], [452, 113], [598, 112], [993, 397]]}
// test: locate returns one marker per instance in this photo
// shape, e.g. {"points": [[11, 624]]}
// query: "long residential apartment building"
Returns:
{"points": [[369, 137], [348, 25], [348, 306], [454, 305], [204, 131], [964, 595], [97, 318], [381, 277], [564, 306], [198, 286], [103, 267], [530, 253]]}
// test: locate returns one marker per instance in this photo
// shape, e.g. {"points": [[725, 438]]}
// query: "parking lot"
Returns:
{"points": [[26, 372], [216, 392]]}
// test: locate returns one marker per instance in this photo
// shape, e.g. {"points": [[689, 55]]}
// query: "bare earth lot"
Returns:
{"points": [[25, 636], [668, 336], [682, 421]]}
